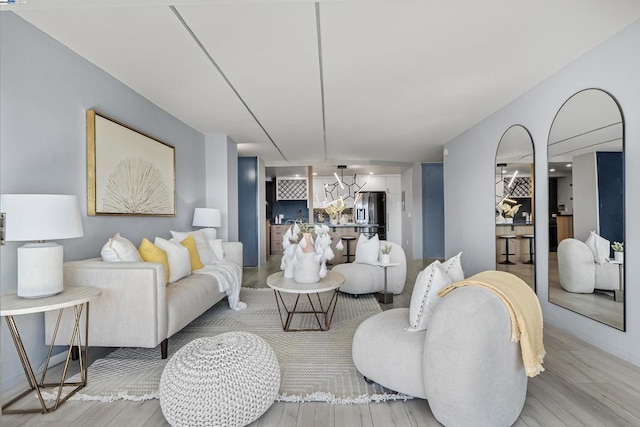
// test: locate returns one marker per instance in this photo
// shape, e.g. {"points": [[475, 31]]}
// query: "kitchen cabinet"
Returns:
{"points": [[277, 232]]}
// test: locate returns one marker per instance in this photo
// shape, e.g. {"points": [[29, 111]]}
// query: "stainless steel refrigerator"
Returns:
{"points": [[371, 208]]}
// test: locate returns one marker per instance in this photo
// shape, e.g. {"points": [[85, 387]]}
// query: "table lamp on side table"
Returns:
{"points": [[40, 217], [208, 218]]}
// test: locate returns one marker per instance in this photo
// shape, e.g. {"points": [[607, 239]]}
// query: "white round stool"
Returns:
{"points": [[230, 379]]}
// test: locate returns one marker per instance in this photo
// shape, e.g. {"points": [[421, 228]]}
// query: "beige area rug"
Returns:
{"points": [[314, 366]]}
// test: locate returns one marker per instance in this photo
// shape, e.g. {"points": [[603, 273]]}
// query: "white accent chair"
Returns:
{"points": [[464, 363], [580, 273], [366, 278]]}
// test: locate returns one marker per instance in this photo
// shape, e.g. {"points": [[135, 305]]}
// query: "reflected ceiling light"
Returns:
{"points": [[370, 173], [568, 165], [512, 179], [338, 179], [552, 170]]}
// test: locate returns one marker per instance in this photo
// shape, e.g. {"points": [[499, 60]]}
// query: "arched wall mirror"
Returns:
{"points": [[514, 204], [586, 207]]}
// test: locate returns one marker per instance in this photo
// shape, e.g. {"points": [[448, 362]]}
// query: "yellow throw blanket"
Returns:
{"points": [[524, 310]]}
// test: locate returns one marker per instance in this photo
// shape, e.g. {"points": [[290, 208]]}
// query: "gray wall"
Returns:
{"points": [[46, 89], [221, 187], [614, 66]]}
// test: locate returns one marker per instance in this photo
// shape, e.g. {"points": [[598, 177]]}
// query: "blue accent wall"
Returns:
{"points": [[610, 167], [290, 208], [248, 209], [432, 210]]}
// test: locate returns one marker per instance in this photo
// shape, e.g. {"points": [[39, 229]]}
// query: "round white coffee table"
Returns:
{"points": [[331, 282]]}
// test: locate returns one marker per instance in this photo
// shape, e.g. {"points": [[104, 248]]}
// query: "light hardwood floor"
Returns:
{"points": [[582, 386]]}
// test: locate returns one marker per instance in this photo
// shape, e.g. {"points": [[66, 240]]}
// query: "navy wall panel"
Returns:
{"points": [[432, 210], [248, 209]]}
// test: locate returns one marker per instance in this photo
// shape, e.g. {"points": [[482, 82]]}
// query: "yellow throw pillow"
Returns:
{"points": [[190, 244], [151, 253]]}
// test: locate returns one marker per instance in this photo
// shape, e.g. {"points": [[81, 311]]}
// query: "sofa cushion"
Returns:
{"points": [[178, 257], [453, 268], [425, 295], [216, 246], [151, 253], [367, 250], [205, 252], [190, 244], [599, 247], [120, 249]]}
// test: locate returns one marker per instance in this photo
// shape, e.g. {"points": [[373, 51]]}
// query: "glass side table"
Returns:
{"points": [[386, 297], [618, 294], [76, 297]]}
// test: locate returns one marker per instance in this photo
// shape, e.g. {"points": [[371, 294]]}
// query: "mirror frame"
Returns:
{"points": [[624, 228], [533, 197]]}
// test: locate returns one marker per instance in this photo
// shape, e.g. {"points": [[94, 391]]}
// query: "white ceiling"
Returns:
{"points": [[382, 83]]}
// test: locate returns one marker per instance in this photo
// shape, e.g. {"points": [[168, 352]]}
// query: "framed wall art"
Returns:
{"points": [[128, 172]]}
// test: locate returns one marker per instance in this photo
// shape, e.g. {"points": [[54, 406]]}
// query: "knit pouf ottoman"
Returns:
{"points": [[230, 379]]}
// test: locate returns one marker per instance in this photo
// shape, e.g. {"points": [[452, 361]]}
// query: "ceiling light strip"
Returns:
{"points": [[585, 133], [324, 123], [217, 67], [584, 147]]}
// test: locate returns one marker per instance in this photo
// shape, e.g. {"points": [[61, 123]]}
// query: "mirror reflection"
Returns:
{"points": [[514, 204], [586, 208]]}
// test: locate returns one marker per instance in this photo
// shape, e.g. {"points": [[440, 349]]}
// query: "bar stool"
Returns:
{"points": [[530, 237], [506, 238], [348, 239]]}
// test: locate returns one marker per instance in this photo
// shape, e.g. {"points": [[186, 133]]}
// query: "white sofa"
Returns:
{"points": [[580, 273], [137, 308], [366, 278]]}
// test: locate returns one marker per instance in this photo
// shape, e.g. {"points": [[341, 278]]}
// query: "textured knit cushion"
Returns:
{"points": [[453, 268], [599, 247], [190, 244], [205, 252], [216, 245], [120, 249], [151, 253], [425, 295], [179, 260], [367, 250], [230, 380]]}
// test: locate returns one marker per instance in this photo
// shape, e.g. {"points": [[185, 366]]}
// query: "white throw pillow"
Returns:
{"points": [[367, 250], [424, 298], [178, 257], [599, 247], [216, 246], [120, 249], [204, 250], [453, 268]]}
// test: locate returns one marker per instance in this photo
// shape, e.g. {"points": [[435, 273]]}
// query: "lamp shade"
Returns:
{"points": [[207, 217], [33, 217]]}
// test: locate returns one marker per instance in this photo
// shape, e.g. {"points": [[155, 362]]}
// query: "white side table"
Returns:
{"points": [[77, 297], [385, 297], [618, 294]]}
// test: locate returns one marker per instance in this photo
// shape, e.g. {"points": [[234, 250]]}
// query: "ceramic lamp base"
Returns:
{"points": [[40, 271]]}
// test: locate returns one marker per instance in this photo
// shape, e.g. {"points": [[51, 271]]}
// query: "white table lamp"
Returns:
{"points": [[208, 218], [40, 217]]}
